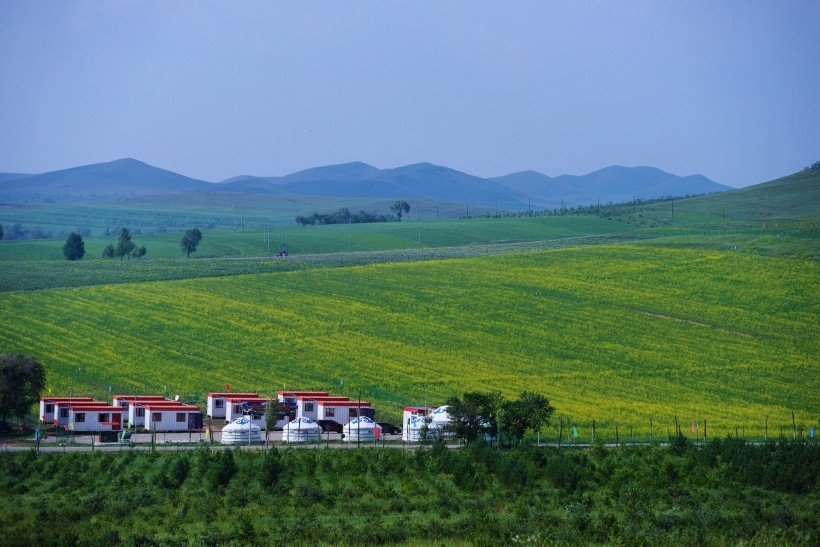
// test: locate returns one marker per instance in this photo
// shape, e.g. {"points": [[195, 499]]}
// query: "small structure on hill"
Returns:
{"points": [[172, 416]]}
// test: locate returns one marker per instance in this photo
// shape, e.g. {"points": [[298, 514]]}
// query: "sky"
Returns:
{"points": [[213, 90]]}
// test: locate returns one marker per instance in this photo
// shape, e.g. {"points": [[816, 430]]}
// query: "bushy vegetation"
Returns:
{"points": [[725, 492], [344, 216]]}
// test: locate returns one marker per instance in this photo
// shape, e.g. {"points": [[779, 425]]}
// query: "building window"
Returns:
{"points": [[181, 417], [156, 417], [79, 417], [237, 409], [49, 408], [63, 413], [330, 412], [354, 412], [103, 417], [140, 412], [308, 407], [219, 403]]}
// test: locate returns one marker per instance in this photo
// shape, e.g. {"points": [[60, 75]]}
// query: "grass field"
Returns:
{"points": [[615, 333]]}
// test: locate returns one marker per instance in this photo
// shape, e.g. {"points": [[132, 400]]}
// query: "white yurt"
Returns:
{"points": [[301, 430], [439, 421], [415, 429], [361, 429], [241, 431]]}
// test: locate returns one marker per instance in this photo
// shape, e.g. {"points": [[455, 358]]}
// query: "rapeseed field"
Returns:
{"points": [[631, 335]]}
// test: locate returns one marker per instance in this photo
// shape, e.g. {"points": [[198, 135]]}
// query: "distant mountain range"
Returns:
{"points": [[130, 177]]}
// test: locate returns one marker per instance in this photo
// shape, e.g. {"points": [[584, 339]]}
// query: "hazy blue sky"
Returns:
{"points": [[728, 89]]}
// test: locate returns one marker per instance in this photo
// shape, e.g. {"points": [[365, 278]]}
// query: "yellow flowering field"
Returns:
{"points": [[623, 334]]}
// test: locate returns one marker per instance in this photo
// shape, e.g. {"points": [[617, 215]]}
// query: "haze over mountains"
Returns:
{"points": [[517, 191]]}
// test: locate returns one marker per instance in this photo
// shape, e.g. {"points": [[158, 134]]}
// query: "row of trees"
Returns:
{"points": [[343, 216], [477, 416], [74, 247], [125, 247]]}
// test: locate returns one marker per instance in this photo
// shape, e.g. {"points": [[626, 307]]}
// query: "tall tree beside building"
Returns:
{"points": [[22, 379], [74, 248]]}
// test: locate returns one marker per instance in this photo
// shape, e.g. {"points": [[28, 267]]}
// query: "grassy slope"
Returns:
{"points": [[617, 333], [26, 265]]}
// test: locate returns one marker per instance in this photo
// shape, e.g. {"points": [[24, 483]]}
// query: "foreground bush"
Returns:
{"points": [[726, 491]]}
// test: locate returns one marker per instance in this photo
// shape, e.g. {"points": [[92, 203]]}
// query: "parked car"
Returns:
{"points": [[330, 425], [389, 429]]}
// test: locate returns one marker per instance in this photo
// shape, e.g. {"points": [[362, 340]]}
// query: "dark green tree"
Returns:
{"points": [[473, 415], [190, 240], [74, 248], [400, 207], [530, 412], [1, 231], [139, 252], [22, 379], [124, 244], [108, 252]]}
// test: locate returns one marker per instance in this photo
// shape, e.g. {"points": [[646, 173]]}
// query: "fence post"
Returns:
{"points": [[560, 429]]}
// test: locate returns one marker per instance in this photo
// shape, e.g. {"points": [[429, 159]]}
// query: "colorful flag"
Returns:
{"points": [[574, 432], [227, 387], [811, 432], [693, 427]]}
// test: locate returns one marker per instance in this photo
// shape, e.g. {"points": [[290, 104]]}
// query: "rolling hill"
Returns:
{"points": [[124, 177], [615, 183], [422, 181]]}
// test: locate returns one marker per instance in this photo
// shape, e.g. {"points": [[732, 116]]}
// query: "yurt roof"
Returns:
{"points": [[240, 424], [302, 423]]}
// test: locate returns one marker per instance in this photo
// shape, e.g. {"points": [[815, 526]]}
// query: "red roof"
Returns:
{"points": [[106, 407], [139, 397], [64, 399], [418, 408], [179, 408], [344, 403], [224, 394], [324, 398], [302, 393], [249, 400]]}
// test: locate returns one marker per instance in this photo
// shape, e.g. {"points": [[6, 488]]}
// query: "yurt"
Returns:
{"points": [[417, 429], [301, 430], [241, 431], [362, 429], [439, 421]]}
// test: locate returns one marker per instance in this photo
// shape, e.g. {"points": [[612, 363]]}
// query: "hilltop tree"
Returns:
{"points": [[124, 244], [22, 379], [1, 231], [190, 241], [400, 207], [108, 252], [74, 248]]}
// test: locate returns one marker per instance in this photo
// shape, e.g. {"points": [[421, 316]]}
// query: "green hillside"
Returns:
{"points": [[615, 333]]}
